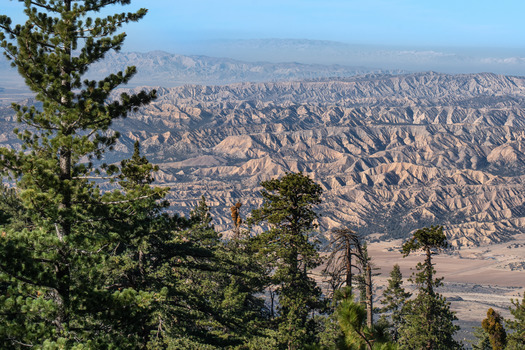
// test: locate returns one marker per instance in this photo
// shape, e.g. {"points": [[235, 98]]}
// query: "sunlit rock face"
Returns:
{"points": [[393, 153]]}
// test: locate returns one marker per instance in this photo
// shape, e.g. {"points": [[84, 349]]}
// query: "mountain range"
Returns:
{"points": [[392, 152], [450, 60], [160, 68]]}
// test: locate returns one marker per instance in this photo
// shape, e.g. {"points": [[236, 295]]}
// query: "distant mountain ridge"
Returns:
{"points": [[160, 68], [164, 69], [411, 59]]}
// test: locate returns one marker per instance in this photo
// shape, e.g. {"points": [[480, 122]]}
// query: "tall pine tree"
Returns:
{"points": [[493, 326], [54, 261], [428, 320], [394, 299], [516, 326], [288, 210]]}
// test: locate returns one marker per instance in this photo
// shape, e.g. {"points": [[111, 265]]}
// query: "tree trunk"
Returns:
{"points": [[428, 267], [63, 227], [369, 296], [348, 263]]}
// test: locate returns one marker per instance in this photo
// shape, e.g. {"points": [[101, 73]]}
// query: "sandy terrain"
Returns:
{"points": [[475, 278]]}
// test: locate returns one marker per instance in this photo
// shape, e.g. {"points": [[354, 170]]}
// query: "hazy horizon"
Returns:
{"points": [[327, 52], [448, 36]]}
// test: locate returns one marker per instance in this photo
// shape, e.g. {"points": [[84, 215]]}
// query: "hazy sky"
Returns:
{"points": [[171, 24], [472, 23], [440, 31]]}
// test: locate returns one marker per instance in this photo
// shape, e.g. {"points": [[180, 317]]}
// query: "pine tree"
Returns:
{"points": [[493, 326], [482, 341], [394, 299], [236, 219], [516, 327], [212, 289], [428, 320], [288, 211], [352, 320], [344, 246], [56, 265], [364, 282]]}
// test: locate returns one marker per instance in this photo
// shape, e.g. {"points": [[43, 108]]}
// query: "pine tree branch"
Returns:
{"points": [[101, 5], [20, 343], [159, 328], [122, 201], [77, 122], [22, 279], [44, 44], [8, 30], [363, 336], [87, 252], [118, 218], [94, 177], [43, 29], [112, 286], [104, 33], [36, 126], [46, 7], [59, 234], [43, 91]]}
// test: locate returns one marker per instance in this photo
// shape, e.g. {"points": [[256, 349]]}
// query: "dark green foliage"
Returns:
{"points": [[516, 327], [428, 324], [330, 334], [482, 341], [288, 212], [136, 173], [394, 299], [428, 320], [110, 284], [352, 317], [493, 326], [211, 286], [73, 259], [430, 240]]}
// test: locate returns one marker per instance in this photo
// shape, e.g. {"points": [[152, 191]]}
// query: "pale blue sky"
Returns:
{"points": [[442, 35], [466, 23], [473, 23]]}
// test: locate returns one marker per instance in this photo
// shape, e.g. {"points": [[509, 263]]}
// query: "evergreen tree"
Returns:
{"points": [[482, 341], [343, 247], [212, 289], [352, 319], [364, 282], [236, 219], [11, 209], [493, 326], [428, 320], [288, 211], [394, 299], [516, 327], [64, 262]]}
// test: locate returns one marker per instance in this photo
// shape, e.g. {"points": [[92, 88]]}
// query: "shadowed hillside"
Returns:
{"points": [[393, 153]]}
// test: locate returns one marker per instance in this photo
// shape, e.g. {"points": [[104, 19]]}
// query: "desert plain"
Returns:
{"points": [[475, 278]]}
